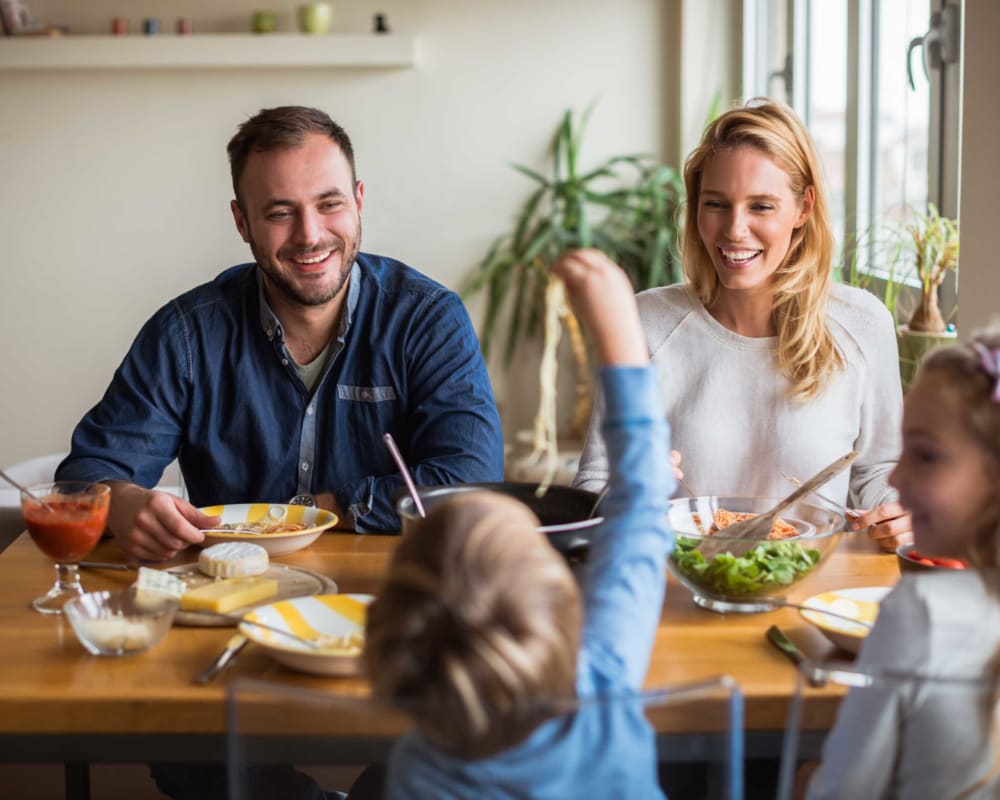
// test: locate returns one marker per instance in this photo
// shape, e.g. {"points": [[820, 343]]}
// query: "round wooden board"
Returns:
{"points": [[292, 582]]}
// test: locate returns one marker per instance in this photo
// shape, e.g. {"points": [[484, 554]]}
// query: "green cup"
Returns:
{"points": [[316, 18], [263, 22]]}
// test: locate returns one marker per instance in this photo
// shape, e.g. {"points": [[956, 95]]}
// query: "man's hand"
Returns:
{"points": [[603, 300], [890, 525], [151, 525]]}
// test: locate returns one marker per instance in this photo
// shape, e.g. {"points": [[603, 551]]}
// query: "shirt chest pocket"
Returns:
{"points": [[366, 394]]}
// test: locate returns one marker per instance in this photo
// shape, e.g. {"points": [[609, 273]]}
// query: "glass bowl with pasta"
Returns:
{"points": [[748, 577]]}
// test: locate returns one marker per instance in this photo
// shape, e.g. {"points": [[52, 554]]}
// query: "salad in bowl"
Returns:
{"points": [[746, 578]]}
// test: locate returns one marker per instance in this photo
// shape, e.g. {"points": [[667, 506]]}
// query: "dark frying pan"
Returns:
{"points": [[564, 512]]}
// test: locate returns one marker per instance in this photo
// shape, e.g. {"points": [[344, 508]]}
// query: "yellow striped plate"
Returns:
{"points": [[316, 521], [324, 617], [860, 603]]}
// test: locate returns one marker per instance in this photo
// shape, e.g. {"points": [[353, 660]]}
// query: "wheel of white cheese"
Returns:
{"points": [[233, 560]]}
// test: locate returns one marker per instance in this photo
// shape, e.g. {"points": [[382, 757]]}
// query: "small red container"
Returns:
{"points": [[119, 26], [185, 26]]}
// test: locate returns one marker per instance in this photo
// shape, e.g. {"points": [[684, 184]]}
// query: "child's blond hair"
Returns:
{"points": [[476, 627], [961, 367]]}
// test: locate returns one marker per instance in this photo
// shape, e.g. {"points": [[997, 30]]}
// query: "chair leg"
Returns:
{"points": [[77, 780]]}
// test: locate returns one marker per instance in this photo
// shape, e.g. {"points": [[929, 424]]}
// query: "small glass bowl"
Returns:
{"points": [[114, 624]]}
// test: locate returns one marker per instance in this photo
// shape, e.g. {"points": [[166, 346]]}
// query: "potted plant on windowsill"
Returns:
{"points": [[924, 248], [628, 206]]}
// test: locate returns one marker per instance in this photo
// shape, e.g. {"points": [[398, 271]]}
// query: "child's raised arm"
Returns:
{"points": [[625, 576], [603, 300]]}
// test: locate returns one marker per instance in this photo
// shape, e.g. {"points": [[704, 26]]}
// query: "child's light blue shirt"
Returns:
{"points": [[605, 749]]}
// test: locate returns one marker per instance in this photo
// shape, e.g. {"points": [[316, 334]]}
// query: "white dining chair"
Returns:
{"points": [[271, 726], [938, 735]]}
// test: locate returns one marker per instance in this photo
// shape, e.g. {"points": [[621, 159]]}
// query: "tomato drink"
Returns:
{"points": [[71, 529]]}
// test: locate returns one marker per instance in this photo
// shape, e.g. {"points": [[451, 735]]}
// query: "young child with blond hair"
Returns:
{"points": [[481, 632], [911, 741]]}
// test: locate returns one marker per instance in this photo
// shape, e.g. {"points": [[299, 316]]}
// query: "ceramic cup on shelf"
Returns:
{"points": [[263, 22], [316, 18]]}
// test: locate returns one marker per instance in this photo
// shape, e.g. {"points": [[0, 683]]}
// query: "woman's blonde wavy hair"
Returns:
{"points": [[807, 353], [960, 369], [476, 628]]}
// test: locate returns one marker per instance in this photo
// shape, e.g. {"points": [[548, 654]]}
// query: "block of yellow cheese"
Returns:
{"points": [[225, 595]]}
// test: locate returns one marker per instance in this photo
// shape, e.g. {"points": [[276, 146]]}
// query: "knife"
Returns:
{"points": [[777, 637], [232, 649], [106, 565]]}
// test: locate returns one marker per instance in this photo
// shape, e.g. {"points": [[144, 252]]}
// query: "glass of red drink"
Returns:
{"points": [[65, 519]]}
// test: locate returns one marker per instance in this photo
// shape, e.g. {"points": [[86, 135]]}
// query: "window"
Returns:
{"points": [[887, 145]]}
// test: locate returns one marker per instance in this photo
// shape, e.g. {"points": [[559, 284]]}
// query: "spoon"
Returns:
{"points": [[405, 472], [850, 513], [741, 537], [24, 489]]}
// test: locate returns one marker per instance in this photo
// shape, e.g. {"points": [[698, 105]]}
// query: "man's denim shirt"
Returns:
{"points": [[209, 381]]}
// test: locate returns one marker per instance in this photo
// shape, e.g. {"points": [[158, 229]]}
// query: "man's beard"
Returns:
{"points": [[284, 284]]}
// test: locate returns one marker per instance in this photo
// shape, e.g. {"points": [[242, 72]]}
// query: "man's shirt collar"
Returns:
{"points": [[272, 325]]}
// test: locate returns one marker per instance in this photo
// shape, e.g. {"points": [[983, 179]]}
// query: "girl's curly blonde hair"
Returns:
{"points": [[807, 353], [476, 628]]}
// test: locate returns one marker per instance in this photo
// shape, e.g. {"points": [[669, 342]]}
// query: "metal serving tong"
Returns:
{"points": [[742, 537]]}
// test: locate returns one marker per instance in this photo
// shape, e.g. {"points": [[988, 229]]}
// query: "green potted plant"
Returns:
{"points": [[628, 206], [922, 249]]}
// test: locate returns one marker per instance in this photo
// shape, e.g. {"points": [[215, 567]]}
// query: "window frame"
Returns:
{"points": [[861, 134]]}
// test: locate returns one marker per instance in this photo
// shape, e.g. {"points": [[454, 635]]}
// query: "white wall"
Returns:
{"points": [[979, 278], [114, 186]]}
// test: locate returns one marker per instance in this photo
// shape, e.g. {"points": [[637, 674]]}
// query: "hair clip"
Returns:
{"points": [[989, 361]]}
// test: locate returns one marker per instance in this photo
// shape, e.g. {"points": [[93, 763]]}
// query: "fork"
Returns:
{"points": [[231, 530], [312, 643], [742, 537]]}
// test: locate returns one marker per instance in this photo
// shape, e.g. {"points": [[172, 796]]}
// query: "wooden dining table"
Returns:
{"points": [[58, 703]]}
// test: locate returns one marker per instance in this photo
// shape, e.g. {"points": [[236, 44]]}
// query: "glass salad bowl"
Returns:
{"points": [[734, 575]]}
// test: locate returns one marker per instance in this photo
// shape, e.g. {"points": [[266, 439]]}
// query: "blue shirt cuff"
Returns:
{"points": [[629, 393]]}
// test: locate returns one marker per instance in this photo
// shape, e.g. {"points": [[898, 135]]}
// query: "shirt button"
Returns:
{"points": [[284, 362], [270, 333], [366, 395], [305, 466], [309, 410]]}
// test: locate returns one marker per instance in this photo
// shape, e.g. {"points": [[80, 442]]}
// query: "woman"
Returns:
{"points": [[767, 368]]}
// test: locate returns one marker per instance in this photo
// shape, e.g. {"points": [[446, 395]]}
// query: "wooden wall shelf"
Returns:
{"points": [[207, 51]]}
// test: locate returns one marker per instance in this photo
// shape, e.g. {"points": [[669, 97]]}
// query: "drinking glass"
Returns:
{"points": [[65, 519]]}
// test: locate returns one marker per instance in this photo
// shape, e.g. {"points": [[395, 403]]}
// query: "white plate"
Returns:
{"points": [[860, 603], [316, 521], [321, 615]]}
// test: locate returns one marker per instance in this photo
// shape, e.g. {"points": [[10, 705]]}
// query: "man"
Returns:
{"points": [[280, 378]]}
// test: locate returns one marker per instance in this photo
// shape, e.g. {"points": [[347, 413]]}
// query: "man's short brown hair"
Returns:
{"points": [[283, 128], [477, 626]]}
